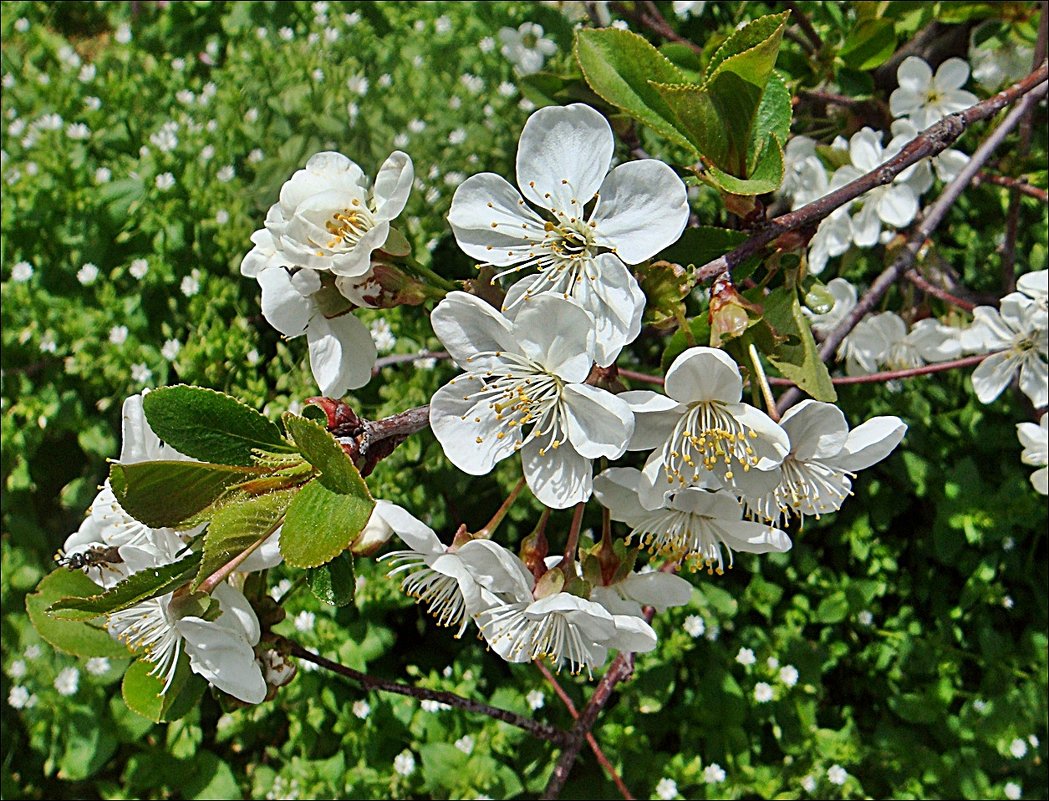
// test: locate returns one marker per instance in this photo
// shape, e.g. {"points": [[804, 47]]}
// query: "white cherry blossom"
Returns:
{"points": [[1035, 440], [328, 218], [694, 524], [1017, 332], [634, 591], [702, 433], [525, 47], [524, 391], [824, 457], [926, 98], [574, 221]]}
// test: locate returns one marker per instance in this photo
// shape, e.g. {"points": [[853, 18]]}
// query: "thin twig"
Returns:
{"points": [[934, 215], [1012, 217], [895, 375], [930, 142], [1016, 184], [929, 288], [534, 727], [803, 22], [591, 740]]}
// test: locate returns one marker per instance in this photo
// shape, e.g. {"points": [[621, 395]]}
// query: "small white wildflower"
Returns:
{"points": [[286, 33], [1018, 748], [1033, 740], [261, 33], [385, 80], [165, 181], [442, 24], [666, 789], [21, 24], [400, 141], [457, 137], [32, 652], [416, 126], [139, 268], [178, 64], [222, 216], [979, 705], [361, 709], [20, 698], [1008, 544], [67, 681], [304, 621], [865, 618], [206, 154], [455, 103], [331, 35], [317, 76], [404, 763], [694, 626], [92, 103], [17, 669], [772, 662], [251, 116], [473, 83], [22, 272], [713, 773], [118, 334], [837, 775], [48, 344], [276, 592], [763, 692], [185, 96], [808, 783], [190, 286], [430, 705], [536, 700], [87, 274], [352, 18], [486, 45], [1013, 791], [97, 665], [507, 89], [788, 674], [526, 105], [8, 81], [746, 657], [141, 374], [78, 131], [357, 84], [256, 155], [465, 744], [424, 363], [170, 349], [253, 357], [1008, 602], [226, 174], [103, 175], [382, 335]]}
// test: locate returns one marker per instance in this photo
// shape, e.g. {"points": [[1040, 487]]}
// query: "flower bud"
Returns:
{"points": [[730, 312], [384, 286]]}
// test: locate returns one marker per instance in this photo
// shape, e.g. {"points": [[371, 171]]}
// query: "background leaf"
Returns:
{"points": [[76, 637]]}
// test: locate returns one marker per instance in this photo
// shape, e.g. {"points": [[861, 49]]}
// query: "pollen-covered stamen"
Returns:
{"points": [[683, 535], [552, 637], [149, 628], [557, 246], [347, 226], [440, 593], [524, 398], [704, 438], [806, 488]]}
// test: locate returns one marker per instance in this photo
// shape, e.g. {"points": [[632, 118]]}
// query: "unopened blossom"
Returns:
{"points": [[894, 204], [694, 524], [329, 219], [1018, 341], [1035, 440], [525, 47], [523, 392], [563, 162], [926, 98], [824, 456], [702, 433]]}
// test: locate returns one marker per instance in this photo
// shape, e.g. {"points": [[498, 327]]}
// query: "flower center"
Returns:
{"points": [[679, 534], [521, 394], [553, 636], [707, 437], [347, 226], [806, 488]]}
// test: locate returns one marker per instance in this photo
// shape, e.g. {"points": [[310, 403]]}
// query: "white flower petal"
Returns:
{"points": [[563, 156], [283, 305], [951, 74], [454, 421], [557, 334], [413, 532], [816, 430], [393, 184], [655, 416], [223, 658], [871, 442], [642, 208], [342, 354], [491, 221], [560, 477], [914, 74], [704, 374], [993, 375], [467, 325], [598, 423]]}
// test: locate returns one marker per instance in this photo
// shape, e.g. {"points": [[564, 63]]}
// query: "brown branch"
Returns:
{"points": [[1012, 217], [622, 668], [934, 215], [895, 375], [929, 288], [803, 22], [534, 727], [1019, 185], [930, 142], [591, 740]]}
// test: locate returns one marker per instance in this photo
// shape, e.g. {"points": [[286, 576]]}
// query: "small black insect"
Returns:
{"points": [[100, 557]]}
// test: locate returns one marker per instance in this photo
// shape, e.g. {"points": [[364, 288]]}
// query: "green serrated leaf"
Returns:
{"points": [[238, 525], [621, 68], [76, 637], [773, 119], [320, 524], [210, 426], [335, 582], [797, 357], [167, 493], [323, 451], [869, 44], [138, 587], [754, 42], [144, 694], [766, 177]]}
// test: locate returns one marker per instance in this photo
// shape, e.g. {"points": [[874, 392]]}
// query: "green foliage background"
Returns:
{"points": [[943, 546]]}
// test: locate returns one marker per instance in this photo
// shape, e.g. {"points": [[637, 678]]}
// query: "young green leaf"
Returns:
{"points": [[143, 693], [323, 451], [766, 177], [138, 587], [622, 67], [797, 357], [76, 637], [238, 525], [320, 524], [334, 583], [210, 426], [869, 44], [167, 493]]}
